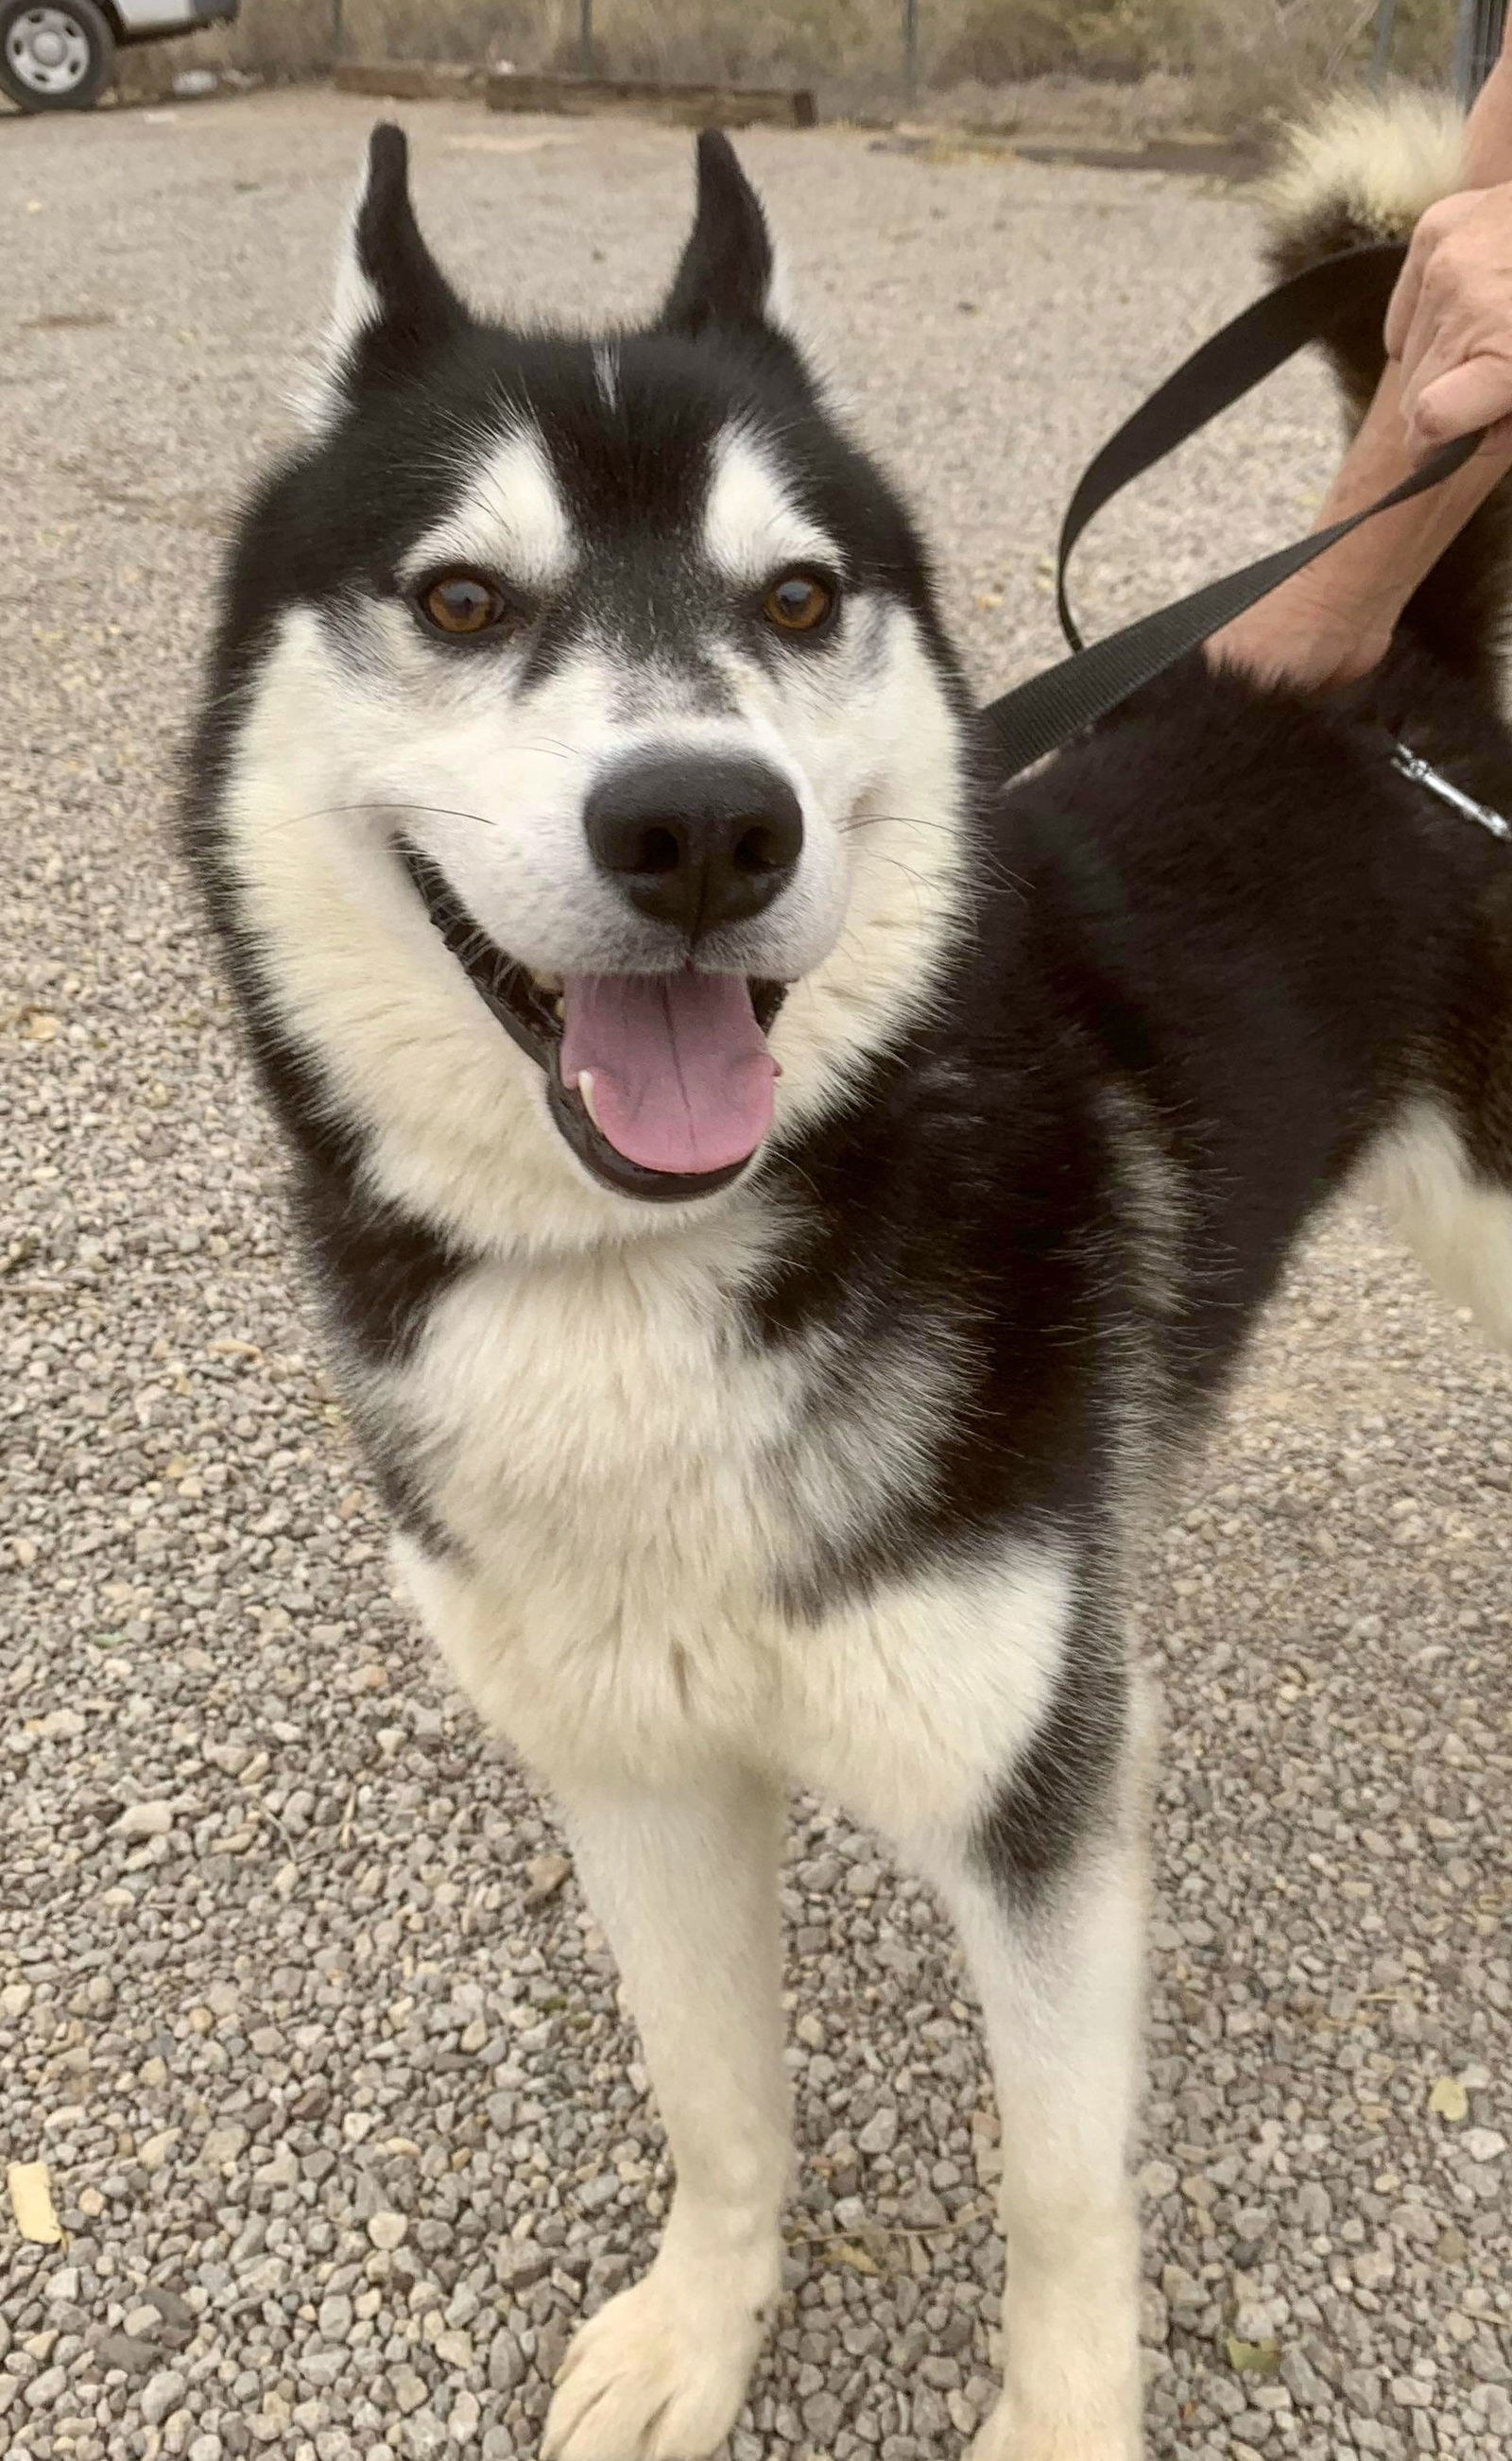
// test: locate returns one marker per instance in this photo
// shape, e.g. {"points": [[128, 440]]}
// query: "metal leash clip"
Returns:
{"points": [[1421, 771]]}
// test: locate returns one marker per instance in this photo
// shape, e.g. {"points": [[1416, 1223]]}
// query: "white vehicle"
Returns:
{"points": [[57, 54]]}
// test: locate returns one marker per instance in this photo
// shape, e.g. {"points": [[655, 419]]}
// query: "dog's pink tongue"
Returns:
{"points": [[682, 1077]]}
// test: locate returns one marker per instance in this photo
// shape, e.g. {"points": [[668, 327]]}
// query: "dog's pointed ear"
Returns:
{"points": [[391, 306], [728, 266]]}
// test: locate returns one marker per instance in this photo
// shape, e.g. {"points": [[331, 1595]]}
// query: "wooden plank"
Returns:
{"points": [[407, 80], [1213, 157], [686, 106]]}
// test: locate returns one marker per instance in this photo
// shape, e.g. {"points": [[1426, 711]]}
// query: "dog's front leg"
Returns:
{"points": [[1059, 1969], [684, 1883]]}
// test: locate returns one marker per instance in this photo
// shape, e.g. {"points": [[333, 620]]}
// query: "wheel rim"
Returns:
{"points": [[48, 51]]}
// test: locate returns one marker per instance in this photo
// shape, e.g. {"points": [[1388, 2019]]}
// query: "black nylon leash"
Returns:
{"points": [[1041, 715]]}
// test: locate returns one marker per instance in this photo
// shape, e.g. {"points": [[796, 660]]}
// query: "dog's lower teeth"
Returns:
{"points": [[585, 1091], [550, 984]]}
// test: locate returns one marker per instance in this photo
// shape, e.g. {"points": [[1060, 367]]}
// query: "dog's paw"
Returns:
{"points": [[658, 2375], [1009, 2436]]}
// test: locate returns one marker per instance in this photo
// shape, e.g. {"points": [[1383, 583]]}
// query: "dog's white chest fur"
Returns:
{"points": [[630, 1481]]}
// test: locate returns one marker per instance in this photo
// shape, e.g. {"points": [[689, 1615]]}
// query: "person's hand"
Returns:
{"points": [[1302, 634], [1449, 325]]}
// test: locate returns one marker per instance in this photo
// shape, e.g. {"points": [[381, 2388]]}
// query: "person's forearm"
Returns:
{"points": [[1333, 623]]}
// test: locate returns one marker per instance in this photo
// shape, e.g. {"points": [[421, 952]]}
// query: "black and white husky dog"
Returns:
{"points": [[779, 1199]]}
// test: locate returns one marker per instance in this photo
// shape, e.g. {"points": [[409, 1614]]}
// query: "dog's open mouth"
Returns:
{"points": [[660, 1083]]}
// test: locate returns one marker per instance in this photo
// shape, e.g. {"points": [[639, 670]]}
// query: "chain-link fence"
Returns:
{"points": [[1478, 41], [1478, 29], [1229, 66]]}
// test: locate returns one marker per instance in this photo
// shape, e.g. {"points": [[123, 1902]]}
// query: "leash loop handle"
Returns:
{"points": [[1220, 371], [1039, 716]]}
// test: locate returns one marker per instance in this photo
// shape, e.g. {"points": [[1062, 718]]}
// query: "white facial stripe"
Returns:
{"points": [[607, 374], [752, 526], [510, 519]]}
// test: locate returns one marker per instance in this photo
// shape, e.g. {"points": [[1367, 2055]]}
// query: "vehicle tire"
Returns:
{"points": [[55, 55]]}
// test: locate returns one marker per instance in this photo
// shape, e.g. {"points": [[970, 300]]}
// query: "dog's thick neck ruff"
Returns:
{"points": [[588, 693]]}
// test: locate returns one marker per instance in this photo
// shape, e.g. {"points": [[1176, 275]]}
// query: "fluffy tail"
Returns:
{"points": [[1364, 169]]}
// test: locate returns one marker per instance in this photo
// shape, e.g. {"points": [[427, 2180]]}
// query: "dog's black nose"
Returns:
{"points": [[695, 842]]}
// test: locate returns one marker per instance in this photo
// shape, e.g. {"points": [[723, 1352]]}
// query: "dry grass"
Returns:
{"points": [[1241, 62]]}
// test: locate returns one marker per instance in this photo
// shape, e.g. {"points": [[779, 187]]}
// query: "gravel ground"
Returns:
{"points": [[300, 2003]]}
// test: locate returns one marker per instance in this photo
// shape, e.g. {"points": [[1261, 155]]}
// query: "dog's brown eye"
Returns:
{"points": [[460, 602], [799, 603]]}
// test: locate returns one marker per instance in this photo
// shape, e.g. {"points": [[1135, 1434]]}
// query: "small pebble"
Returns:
{"points": [[146, 1820]]}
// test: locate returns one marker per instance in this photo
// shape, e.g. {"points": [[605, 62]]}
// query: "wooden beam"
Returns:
{"points": [[409, 80], [688, 106]]}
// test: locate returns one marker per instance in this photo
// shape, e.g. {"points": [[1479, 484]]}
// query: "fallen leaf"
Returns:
{"points": [[847, 2252], [545, 1875], [1449, 2100], [1254, 2357], [31, 2203]]}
